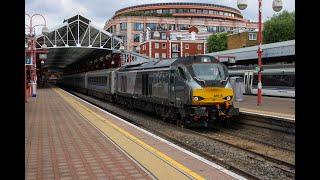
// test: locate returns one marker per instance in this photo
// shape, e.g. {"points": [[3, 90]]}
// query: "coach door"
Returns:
{"points": [[171, 85], [248, 78], [145, 84]]}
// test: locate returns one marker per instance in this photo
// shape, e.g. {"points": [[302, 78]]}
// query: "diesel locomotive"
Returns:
{"points": [[193, 91]]}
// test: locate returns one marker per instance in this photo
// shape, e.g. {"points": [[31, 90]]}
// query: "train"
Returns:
{"points": [[278, 80], [192, 91]]}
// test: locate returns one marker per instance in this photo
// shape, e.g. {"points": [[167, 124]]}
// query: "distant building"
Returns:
{"points": [[173, 44], [242, 39], [129, 22]]}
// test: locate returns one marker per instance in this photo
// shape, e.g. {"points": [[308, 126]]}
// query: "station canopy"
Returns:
{"points": [[76, 40]]}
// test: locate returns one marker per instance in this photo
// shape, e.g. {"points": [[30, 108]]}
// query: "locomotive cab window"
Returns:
{"points": [[182, 74]]}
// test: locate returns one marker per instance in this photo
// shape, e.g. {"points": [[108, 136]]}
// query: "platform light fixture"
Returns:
{"points": [[276, 6]]}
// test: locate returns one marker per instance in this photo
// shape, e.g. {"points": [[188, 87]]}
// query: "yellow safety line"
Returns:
{"points": [[143, 144]]}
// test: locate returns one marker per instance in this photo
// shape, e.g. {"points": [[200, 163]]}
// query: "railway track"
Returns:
{"points": [[214, 146]]}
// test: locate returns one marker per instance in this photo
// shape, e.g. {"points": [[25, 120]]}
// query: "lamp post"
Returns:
{"points": [[277, 6], [31, 49]]}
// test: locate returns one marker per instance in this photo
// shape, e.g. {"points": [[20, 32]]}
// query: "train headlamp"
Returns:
{"points": [[228, 98], [197, 98]]}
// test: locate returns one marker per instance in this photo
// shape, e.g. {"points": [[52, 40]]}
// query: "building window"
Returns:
{"points": [[175, 47], [156, 45], [186, 54], [205, 11], [179, 10], [163, 36], [199, 47], [159, 11], [165, 11], [193, 11], [182, 27], [210, 11], [152, 26], [138, 26], [252, 36], [136, 38], [175, 55], [220, 13], [163, 55], [163, 45], [186, 10], [199, 11], [212, 28], [186, 46], [156, 55], [123, 26]]}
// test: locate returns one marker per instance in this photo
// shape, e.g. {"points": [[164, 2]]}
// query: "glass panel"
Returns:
{"points": [[136, 38], [138, 26], [152, 26], [209, 71]]}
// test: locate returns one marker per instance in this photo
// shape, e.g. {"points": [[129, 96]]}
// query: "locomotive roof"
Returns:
{"points": [[166, 63], [149, 65]]}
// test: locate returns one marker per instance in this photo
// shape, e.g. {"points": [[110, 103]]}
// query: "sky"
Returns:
{"points": [[99, 11]]}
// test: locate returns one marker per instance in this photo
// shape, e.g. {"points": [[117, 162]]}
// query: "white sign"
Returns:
{"points": [[42, 56]]}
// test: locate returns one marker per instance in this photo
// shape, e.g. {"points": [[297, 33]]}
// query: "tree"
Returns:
{"points": [[279, 28], [217, 42]]}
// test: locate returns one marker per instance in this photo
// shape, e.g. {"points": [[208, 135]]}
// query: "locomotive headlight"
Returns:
{"points": [[228, 98], [197, 98]]}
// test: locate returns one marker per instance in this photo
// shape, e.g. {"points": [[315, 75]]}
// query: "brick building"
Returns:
{"points": [[129, 22], [242, 39], [173, 44]]}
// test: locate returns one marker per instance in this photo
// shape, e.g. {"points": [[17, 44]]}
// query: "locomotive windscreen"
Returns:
{"points": [[209, 71]]}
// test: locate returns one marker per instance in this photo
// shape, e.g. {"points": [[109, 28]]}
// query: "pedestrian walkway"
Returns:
{"points": [[67, 138], [60, 144]]}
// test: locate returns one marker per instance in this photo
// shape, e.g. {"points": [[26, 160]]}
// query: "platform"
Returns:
{"points": [[67, 138], [271, 106]]}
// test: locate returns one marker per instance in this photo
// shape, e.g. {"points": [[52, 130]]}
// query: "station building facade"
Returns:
{"points": [[173, 44], [128, 23]]}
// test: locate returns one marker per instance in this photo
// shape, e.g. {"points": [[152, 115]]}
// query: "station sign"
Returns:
{"points": [[28, 61], [42, 56]]}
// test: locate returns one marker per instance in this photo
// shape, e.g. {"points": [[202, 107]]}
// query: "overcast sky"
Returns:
{"points": [[99, 11]]}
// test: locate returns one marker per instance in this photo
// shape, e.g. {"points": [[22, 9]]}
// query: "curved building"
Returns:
{"points": [[129, 22]]}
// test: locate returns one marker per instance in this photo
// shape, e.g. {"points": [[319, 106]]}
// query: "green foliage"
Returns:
{"points": [[279, 28], [217, 42]]}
